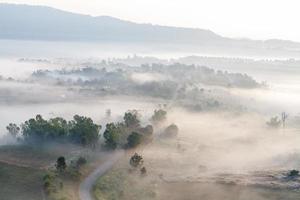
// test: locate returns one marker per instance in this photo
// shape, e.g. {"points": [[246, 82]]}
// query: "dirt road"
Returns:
{"points": [[86, 186]]}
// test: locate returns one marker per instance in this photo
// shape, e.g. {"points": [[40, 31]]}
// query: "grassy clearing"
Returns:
{"points": [[26, 156], [37, 156], [118, 184], [19, 183], [121, 183], [62, 188], [22, 168]]}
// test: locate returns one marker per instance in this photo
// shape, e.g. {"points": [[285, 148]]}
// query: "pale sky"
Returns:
{"points": [[256, 19]]}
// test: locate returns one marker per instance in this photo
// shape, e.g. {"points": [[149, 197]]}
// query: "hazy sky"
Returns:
{"points": [[257, 19]]}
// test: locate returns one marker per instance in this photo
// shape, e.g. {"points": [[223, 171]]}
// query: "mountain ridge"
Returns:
{"points": [[32, 22]]}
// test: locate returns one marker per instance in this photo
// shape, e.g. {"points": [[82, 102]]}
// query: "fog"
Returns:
{"points": [[227, 142], [223, 142], [220, 152]]}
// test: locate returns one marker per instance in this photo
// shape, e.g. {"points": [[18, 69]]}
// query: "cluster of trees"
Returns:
{"points": [[127, 134], [180, 73], [130, 133], [80, 130], [115, 81], [137, 162]]}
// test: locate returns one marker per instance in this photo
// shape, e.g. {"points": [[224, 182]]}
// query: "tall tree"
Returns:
{"points": [[131, 119], [112, 135], [84, 131], [13, 129]]}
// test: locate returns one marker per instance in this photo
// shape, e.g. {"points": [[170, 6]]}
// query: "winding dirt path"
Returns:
{"points": [[86, 185]]}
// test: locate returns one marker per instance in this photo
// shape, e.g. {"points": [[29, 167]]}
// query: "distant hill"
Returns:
{"points": [[44, 23]]}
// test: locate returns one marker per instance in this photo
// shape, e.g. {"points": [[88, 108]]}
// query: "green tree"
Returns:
{"points": [[146, 131], [159, 116], [13, 129], [36, 129], [59, 128], [83, 130], [131, 119], [134, 139], [112, 136], [61, 164]]}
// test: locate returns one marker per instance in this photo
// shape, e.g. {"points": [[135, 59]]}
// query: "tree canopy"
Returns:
{"points": [[136, 160], [159, 116], [134, 139], [171, 131], [81, 130], [13, 129], [112, 135], [131, 119]]}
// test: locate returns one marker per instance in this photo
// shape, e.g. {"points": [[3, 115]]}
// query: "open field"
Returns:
{"points": [[40, 157], [20, 183], [120, 183], [23, 167]]}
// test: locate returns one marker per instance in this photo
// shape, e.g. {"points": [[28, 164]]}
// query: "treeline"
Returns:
{"points": [[82, 130], [114, 77]]}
